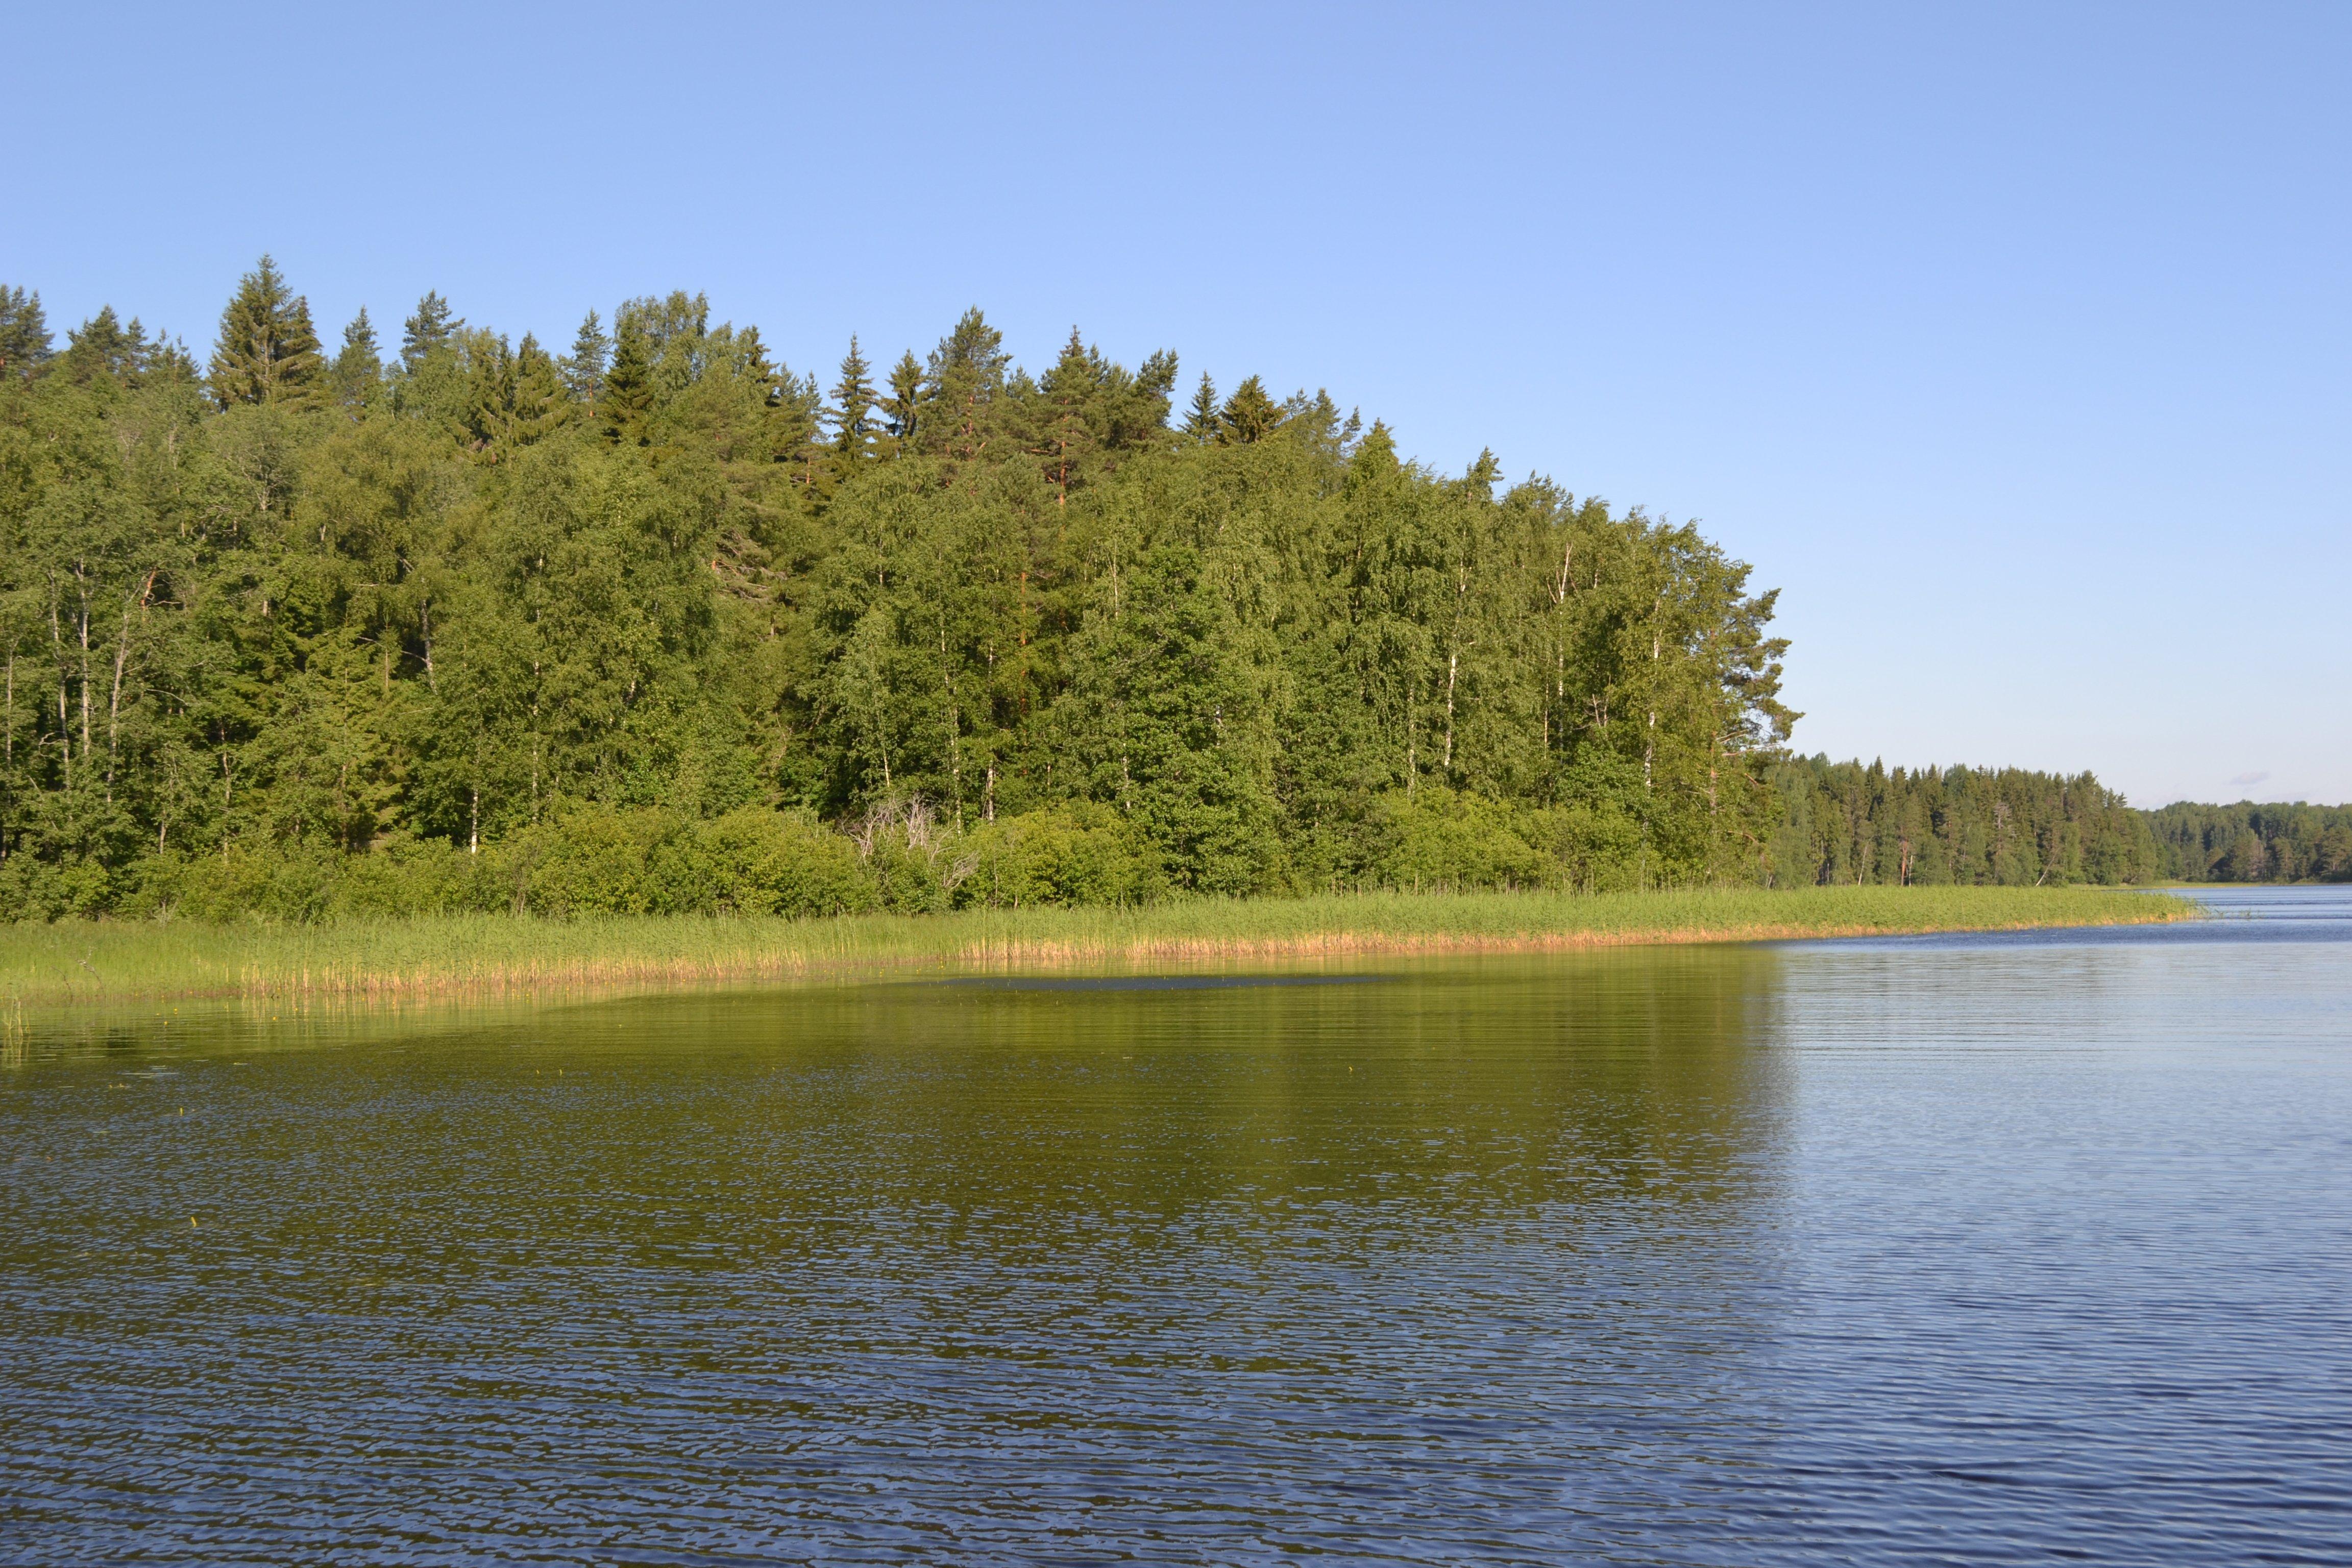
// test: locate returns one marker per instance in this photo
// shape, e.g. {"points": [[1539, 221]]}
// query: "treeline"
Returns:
{"points": [[658, 624], [2251, 843], [656, 621], [1842, 822]]}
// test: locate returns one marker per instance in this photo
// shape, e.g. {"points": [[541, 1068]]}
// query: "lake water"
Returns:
{"points": [[1928, 1250]]}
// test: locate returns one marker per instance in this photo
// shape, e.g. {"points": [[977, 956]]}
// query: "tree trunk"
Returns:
{"points": [[955, 750], [65, 678], [1453, 669], [83, 623]]}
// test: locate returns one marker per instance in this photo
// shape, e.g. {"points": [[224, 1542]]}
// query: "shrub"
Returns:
{"points": [[598, 860], [1077, 854], [1435, 840]]}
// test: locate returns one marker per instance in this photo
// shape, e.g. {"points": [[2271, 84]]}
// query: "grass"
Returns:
{"points": [[110, 962]]}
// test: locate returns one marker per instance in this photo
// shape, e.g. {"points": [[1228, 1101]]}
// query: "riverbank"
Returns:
{"points": [[92, 962]]}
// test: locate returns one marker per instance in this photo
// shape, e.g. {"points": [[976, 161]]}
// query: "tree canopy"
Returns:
{"points": [[478, 624]]}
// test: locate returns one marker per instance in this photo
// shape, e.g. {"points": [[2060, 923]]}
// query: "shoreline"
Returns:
{"points": [[77, 964]]}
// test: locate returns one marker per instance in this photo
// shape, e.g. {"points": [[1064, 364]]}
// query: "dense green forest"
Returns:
{"points": [[656, 623], [2250, 843], [1841, 821]]}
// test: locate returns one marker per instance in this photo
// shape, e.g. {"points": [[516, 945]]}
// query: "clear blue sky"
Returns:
{"points": [[2011, 342]]}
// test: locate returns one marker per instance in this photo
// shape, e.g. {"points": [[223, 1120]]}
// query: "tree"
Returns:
{"points": [[1064, 436], [23, 332], [267, 351], [241, 650], [104, 346], [1201, 421], [1249, 414], [627, 397], [966, 373], [357, 376], [517, 397], [583, 368], [430, 329], [853, 407], [903, 408]]}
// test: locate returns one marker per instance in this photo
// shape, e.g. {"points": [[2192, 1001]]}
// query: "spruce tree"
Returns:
{"points": [[1201, 420], [267, 352], [583, 368], [23, 332], [852, 406], [431, 327], [515, 397], [1249, 414], [104, 346], [627, 396], [903, 407], [358, 372], [539, 393]]}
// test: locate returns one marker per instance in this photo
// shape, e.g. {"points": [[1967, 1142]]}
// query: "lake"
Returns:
{"points": [[1981, 1249]]}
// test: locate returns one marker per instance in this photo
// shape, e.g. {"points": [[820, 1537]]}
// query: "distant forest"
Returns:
{"points": [[2250, 843], [658, 623]]}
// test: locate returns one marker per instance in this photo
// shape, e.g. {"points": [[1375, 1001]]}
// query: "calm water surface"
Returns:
{"points": [[1941, 1250]]}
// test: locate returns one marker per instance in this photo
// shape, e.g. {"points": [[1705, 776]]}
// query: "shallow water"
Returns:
{"points": [[1921, 1250]]}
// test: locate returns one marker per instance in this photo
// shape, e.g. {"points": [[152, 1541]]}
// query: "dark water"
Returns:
{"points": [[1998, 1250]]}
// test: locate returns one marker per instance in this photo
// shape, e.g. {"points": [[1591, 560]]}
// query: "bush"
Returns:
{"points": [[1437, 840], [1077, 853], [596, 860], [776, 863]]}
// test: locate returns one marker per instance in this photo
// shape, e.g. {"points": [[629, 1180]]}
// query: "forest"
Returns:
{"points": [[658, 624], [2251, 843]]}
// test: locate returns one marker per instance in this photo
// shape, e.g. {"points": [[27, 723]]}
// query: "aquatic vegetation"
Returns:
{"points": [[94, 961]]}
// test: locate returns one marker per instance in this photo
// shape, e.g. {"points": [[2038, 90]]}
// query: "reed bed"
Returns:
{"points": [[77, 961]]}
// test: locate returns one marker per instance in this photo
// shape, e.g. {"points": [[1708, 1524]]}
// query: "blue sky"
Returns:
{"points": [[2009, 342]]}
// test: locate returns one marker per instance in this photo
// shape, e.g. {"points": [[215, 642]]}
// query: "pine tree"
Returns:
{"points": [[1156, 379], [431, 327], [583, 368], [358, 372], [1201, 422], [966, 373], [267, 352], [852, 406], [1065, 434], [628, 395], [1249, 414]]}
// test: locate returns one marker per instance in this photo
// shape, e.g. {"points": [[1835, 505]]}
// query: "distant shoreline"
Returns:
{"points": [[76, 963]]}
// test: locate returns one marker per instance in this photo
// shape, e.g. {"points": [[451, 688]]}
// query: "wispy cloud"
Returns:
{"points": [[2244, 779]]}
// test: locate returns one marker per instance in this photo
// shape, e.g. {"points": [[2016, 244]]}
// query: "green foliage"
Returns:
{"points": [[25, 340], [427, 332], [2251, 843], [1079, 854], [356, 377], [596, 860], [267, 351], [486, 629], [138, 963], [1844, 823], [584, 367], [1249, 414]]}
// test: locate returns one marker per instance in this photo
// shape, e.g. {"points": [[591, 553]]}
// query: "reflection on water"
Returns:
{"points": [[1951, 1251]]}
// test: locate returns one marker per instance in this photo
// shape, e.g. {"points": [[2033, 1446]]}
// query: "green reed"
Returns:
{"points": [[98, 961]]}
